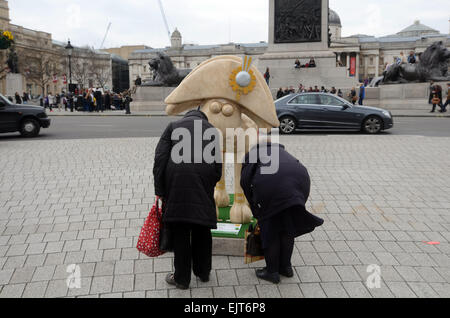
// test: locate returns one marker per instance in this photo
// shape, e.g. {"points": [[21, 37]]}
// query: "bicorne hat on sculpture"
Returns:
{"points": [[231, 78]]}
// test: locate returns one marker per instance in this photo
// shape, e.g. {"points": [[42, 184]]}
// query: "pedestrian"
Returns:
{"points": [[352, 95], [412, 58], [51, 101], [267, 76], [287, 91], [312, 62], [187, 192], [292, 90], [444, 108], [316, 89], [138, 81], [107, 100], [127, 102], [297, 63], [278, 202], [402, 58], [280, 93], [431, 92], [438, 89], [85, 100], [99, 100], [65, 103], [333, 90], [71, 101], [362, 94], [18, 98], [436, 101], [58, 101], [25, 98]]}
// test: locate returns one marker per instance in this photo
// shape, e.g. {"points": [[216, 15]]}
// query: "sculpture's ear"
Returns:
{"points": [[176, 109]]}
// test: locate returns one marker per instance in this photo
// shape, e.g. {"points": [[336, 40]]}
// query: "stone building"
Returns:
{"points": [[34, 47], [360, 56]]}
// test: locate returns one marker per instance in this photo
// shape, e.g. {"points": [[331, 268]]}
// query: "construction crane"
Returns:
{"points": [[164, 17], [106, 34]]}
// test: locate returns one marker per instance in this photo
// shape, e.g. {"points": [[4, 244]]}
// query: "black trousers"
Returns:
{"points": [[279, 253], [193, 250]]}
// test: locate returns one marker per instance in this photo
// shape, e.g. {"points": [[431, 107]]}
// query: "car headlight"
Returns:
{"points": [[387, 114]]}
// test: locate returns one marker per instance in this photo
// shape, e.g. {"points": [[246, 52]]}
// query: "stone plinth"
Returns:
{"points": [[280, 57], [412, 96], [14, 83], [149, 98]]}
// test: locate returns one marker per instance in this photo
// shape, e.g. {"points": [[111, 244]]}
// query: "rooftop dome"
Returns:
{"points": [[333, 18], [176, 34]]}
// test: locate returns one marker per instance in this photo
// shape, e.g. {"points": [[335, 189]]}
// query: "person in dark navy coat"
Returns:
{"points": [[278, 203]]}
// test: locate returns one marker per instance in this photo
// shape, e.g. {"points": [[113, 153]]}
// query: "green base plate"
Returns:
{"points": [[224, 217]]}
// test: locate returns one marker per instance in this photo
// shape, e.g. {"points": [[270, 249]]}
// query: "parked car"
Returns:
{"points": [[26, 119], [326, 111]]}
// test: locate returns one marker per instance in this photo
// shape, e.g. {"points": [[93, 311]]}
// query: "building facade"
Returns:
{"points": [[43, 63], [361, 56]]}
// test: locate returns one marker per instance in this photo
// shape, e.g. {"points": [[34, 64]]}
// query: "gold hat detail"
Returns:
{"points": [[242, 79]]}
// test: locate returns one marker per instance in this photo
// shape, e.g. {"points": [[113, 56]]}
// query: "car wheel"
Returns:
{"points": [[373, 125], [287, 125], [30, 128]]}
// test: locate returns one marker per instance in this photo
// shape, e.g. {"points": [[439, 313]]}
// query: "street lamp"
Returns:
{"points": [[69, 49]]}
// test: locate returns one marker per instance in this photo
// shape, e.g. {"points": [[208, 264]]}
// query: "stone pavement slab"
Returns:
{"points": [[82, 202]]}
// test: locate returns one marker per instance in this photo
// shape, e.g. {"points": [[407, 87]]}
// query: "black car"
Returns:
{"points": [[26, 119], [326, 111]]}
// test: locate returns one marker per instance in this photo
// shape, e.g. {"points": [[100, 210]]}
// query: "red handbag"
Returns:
{"points": [[148, 242]]}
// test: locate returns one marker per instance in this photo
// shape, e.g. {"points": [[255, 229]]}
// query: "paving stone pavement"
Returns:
{"points": [[83, 202]]}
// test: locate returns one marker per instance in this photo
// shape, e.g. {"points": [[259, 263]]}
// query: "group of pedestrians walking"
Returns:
{"points": [[24, 99], [353, 95], [436, 97], [88, 101]]}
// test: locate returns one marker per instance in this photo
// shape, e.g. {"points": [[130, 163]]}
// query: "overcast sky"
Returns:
{"points": [[206, 21]]}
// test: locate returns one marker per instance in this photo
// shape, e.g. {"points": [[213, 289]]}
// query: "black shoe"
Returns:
{"points": [[287, 272], [170, 279], [204, 279], [265, 275]]}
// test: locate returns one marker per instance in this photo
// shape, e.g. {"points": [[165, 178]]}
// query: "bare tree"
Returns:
{"points": [[87, 64], [101, 70], [40, 67], [82, 63]]}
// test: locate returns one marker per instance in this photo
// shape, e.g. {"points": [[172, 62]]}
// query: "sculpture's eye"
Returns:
{"points": [[228, 110], [215, 108]]}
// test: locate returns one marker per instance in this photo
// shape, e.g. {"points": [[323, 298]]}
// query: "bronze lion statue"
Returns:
{"points": [[164, 72], [433, 66]]}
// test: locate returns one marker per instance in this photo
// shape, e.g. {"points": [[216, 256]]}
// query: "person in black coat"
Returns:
{"points": [[280, 93], [278, 203], [187, 191]]}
